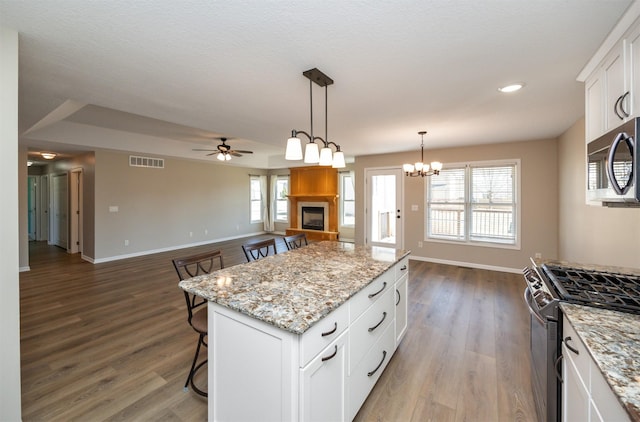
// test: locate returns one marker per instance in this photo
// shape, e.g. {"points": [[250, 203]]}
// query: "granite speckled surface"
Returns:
{"points": [[613, 340], [295, 289]]}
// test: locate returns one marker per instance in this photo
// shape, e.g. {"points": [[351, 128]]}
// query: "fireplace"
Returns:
{"points": [[313, 218]]}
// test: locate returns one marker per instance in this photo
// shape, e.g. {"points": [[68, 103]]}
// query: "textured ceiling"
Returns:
{"points": [[165, 77]]}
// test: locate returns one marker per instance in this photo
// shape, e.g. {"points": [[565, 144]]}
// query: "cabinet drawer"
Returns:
{"points": [[323, 333], [367, 296], [571, 340], [402, 268], [366, 373], [367, 329]]}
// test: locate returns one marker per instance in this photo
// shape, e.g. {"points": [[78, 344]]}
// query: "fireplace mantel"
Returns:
{"points": [[314, 184]]}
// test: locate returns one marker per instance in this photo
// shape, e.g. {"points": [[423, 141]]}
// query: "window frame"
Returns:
{"points": [[468, 239], [285, 200], [255, 179], [342, 198]]}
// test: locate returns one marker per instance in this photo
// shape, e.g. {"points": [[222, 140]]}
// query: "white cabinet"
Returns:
{"points": [[323, 386], [586, 395], [260, 372], [402, 290], [612, 90]]}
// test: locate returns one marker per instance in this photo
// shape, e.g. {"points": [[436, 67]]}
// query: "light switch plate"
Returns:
{"points": [[414, 207], [113, 208]]}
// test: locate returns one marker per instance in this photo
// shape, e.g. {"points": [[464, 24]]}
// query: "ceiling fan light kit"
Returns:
{"points": [[421, 168], [312, 153], [223, 152]]}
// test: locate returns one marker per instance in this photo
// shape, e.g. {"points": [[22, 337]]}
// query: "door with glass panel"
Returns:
{"points": [[383, 209]]}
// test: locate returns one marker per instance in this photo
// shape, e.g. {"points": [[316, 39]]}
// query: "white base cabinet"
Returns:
{"points": [[586, 395], [258, 372]]}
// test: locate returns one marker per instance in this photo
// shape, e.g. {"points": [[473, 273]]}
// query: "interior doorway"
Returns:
{"points": [[59, 210], [75, 214]]}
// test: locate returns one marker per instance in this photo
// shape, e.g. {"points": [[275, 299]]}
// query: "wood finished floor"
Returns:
{"points": [[110, 342]]}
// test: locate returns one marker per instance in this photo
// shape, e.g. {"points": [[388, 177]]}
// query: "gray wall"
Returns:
{"points": [[186, 203], [590, 234], [539, 197]]}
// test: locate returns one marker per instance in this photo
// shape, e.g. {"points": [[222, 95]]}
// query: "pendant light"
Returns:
{"points": [[312, 153], [420, 168]]}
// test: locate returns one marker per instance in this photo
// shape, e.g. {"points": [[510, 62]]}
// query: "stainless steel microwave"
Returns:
{"points": [[612, 166]]}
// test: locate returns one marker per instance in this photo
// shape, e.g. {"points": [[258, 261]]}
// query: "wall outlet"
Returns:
{"points": [[414, 207], [206, 231], [113, 208], [419, 243], [538, 255], [126, 242], [190, 234]]}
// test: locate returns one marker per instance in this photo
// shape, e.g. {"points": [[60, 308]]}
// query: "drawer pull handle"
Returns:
{"points": [[398, 301], [404, 267], [384, 316], [384, 286], [335, 351], [384, 356], [328, 333], [570, 347]]}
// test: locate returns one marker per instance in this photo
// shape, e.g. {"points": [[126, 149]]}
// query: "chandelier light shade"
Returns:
{"points": [[420, 168], [312, 152], [48, 155], [294, 149]]}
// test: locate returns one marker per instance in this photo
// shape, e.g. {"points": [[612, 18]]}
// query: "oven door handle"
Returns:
{"points": [[528, 300], [558, 373]]}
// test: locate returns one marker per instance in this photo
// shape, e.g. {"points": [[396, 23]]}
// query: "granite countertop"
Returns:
{"points": [[613, 341], [295, 289]]}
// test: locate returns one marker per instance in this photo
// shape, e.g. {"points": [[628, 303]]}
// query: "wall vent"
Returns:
{"points": [[136, 161]]}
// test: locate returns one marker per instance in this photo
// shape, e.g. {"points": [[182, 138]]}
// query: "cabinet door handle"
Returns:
{"points": [[570, 347], [398, 301], [621, 104], [328, 333], [384, 286], [404, 267], [335, 351], [384, 316], [615, 108], [558, 374], [384, 356]]}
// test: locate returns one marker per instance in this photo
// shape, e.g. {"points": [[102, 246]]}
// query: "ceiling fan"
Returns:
{"points": [[224, 151]]}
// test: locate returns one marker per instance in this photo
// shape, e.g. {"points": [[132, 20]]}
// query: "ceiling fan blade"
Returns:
{"points": [[198, 149], [212, 153], [234, 153], [243, 151]]}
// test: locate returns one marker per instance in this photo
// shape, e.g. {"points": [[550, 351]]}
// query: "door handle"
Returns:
{"points": [[398, 214], [623, 112], [616, 106]]}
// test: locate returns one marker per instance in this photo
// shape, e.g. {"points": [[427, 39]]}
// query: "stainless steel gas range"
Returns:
{"points": [[547, 286]]}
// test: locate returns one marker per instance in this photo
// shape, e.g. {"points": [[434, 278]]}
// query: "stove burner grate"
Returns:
{"points": [[595, 288]]}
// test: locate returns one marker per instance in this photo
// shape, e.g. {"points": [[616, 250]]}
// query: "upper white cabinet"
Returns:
{"points": [[612, 78]]}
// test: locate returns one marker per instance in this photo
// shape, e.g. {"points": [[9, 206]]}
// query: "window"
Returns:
{"points": [[474, 202], [256, 200], [282, 202], [347, 199]]}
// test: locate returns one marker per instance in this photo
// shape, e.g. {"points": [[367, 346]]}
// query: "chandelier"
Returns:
{"points": [[312, 153], [420, 168]]}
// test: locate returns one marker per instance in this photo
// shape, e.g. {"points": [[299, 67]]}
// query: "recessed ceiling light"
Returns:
{"points": [[511, 88]]}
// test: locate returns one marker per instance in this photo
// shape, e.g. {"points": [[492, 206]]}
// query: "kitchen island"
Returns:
{"points": [[302, 335]]}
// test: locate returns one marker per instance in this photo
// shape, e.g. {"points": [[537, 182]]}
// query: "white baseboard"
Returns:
{"points": [[24, 269], [167, 249], [467, 264]]}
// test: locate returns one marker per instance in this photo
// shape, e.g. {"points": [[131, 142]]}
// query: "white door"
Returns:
{"points": [[59, 198], [32, 195], [383, 210], [43, 209]]}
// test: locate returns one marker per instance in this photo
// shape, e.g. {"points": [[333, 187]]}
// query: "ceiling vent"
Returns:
{"points": [[136, 161]]}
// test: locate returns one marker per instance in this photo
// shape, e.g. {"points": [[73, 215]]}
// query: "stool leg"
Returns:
{"points": [[193, 369]]}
